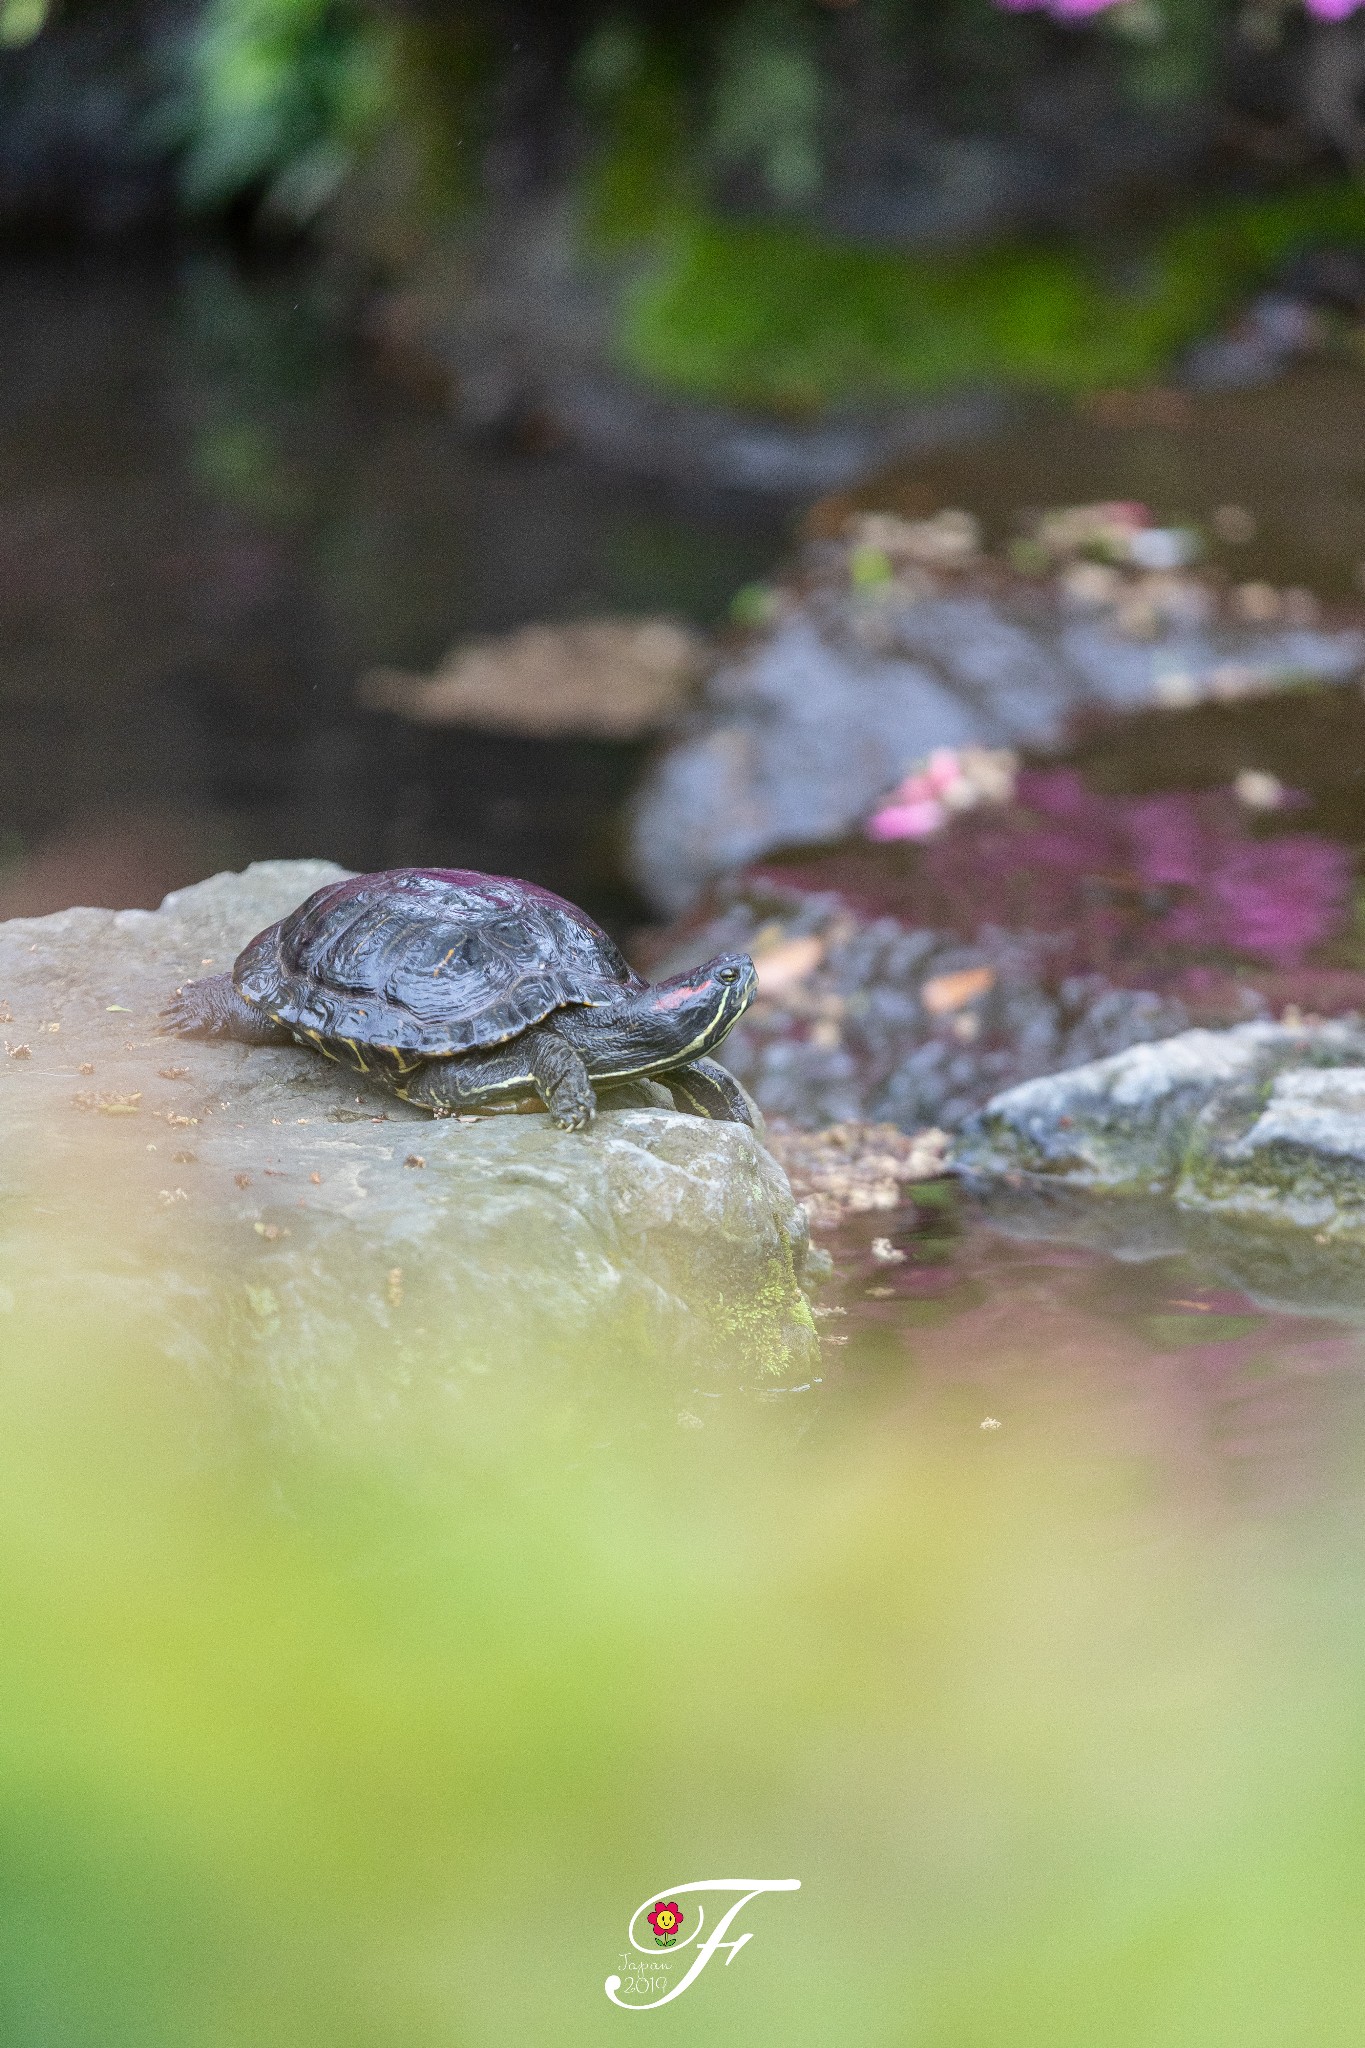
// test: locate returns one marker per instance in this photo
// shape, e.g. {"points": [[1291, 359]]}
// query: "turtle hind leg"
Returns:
{"points": [[214, 1009], [540, 1062], [703, 1088]]}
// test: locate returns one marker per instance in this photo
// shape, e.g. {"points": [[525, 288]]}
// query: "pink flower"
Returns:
{"points": [[917, 820], [939, 773]]}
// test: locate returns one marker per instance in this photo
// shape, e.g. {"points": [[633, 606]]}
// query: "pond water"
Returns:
{"points": [[215, 516], [1026, 1633]]}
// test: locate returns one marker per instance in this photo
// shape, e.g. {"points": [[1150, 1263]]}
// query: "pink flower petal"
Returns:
{"points": [[907, 821], [941, 771]]}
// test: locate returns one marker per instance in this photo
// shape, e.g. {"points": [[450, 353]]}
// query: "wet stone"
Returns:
{"points": [[1264, 1122]]}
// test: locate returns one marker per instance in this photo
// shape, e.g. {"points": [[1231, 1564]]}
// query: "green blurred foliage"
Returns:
{"points": [[383, 1742], [21, 21], [281, 96], [767, 99], [772, 314]]}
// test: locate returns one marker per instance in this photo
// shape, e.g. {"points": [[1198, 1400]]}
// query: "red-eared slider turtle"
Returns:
{"points": [[462, 991]]}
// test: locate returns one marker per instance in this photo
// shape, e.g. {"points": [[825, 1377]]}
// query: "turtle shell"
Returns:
{"points": [[428, 962]]}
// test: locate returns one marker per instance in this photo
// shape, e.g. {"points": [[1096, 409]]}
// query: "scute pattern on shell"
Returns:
{"points": [[433, 961]]}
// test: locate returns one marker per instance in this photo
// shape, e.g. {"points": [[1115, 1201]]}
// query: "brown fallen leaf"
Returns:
{"points": [[414, 1159], [944, 993], [19, 1052], [782, 966]]}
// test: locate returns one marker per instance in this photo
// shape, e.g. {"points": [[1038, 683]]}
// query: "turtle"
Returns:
{"points": [[462, 991]]}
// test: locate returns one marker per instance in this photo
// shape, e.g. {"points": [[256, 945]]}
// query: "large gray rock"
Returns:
{"points": [[796, 748], [1263, 1122], [266, 1214], [806, 728]]}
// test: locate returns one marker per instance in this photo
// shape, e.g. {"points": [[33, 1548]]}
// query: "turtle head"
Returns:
{"points": [[687, 1016]]}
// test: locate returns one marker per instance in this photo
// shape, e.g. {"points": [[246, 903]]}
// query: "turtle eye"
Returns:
{"points": [[728, 974]]}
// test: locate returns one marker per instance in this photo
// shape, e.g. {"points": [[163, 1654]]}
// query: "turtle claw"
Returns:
{"points": [[187, 1015], [575, 1117]]}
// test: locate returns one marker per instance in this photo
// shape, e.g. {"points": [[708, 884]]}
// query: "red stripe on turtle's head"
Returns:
{"points": [[691, 1013]]}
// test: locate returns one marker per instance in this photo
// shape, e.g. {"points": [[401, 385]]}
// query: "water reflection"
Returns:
{"points": [[940, 1322], [213, 518]]}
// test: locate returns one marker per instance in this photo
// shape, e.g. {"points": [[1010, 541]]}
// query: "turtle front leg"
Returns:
{"points": [[540, 1062], [703, 1088], [215, 1009]]}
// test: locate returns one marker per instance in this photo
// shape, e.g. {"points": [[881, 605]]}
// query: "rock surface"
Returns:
{"points": [[615, 679], [264, 1213], [1262, 1124], [807, 727]]}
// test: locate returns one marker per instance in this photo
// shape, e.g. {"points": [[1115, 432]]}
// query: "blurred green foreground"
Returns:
{"points": [[332, 1744]]}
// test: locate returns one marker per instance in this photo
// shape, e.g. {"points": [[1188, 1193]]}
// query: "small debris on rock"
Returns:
{"points": [[853, 1167], [1259, 791], [990, 1422], [243, 1180], [885, 1253], [780, 967], [944, 993], [414, 1159], [316, 1179], [173, 1073], [110, 1105], [86, 1067], [18, 1052], [270, 1230], [395, 1286]]}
